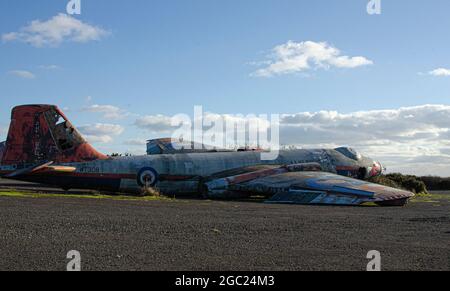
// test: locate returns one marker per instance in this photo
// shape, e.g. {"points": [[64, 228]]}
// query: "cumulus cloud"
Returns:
{"points": [[441, 72], [22, 74], [107, 111], [162, 124], [101, 132], [155, 123], [53, 32], [49, 67], [412, 140], [136, 142], [295, 57]]}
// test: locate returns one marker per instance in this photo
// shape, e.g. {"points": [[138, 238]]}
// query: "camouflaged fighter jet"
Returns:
{"points": [[44, 147]]}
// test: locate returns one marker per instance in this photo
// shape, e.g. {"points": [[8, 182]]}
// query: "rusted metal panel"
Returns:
{"points": [[42, 133], [332, 189], [43, 146], [314, 197], [223, 183]]}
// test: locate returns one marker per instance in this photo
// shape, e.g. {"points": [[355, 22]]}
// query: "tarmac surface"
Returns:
{"points": [[195, 235]]}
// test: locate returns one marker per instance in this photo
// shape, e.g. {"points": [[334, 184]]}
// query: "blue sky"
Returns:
{"points": [[164, 57]]}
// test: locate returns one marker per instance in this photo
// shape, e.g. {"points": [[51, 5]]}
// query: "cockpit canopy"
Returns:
{"points": [[350, 153]]}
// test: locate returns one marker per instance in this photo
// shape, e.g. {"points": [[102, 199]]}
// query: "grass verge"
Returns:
{"points": [[25, 194], [431, 198]]}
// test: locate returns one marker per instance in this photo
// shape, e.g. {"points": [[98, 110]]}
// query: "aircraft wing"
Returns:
{"points": [[311, 187], [43, 168]]}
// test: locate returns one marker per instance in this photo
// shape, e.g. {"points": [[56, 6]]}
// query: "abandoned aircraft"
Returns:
{"points": [[44, 147]]}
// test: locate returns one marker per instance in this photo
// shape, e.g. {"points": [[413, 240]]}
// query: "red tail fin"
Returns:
{"points": [[40, 133]]}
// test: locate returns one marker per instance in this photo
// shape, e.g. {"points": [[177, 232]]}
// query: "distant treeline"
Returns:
{"points": [[436, 183], [413, 183]]}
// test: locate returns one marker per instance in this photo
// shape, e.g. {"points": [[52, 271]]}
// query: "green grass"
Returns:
{"points": [[24, 194], [435, 197], [431, 198]]}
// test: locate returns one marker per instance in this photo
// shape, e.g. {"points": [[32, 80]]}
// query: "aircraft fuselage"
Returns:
{"points": [[185, 173]]}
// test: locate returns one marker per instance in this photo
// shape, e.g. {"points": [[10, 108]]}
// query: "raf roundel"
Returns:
{"points": [[147, 177]]}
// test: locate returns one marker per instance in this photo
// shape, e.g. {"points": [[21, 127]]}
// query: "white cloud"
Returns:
{"points": [[55, 31], [136, 142], [99, 138], [49, 67], [108, 111], [295, 57], [411, 139], [155, 123], [101, 132], [441, 72], [161, 124], [23, 74]]}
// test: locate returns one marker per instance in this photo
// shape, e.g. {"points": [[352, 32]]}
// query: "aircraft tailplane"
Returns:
{"points": [[42, 133]]}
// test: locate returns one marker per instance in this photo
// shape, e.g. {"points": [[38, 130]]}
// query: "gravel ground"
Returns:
{"points": [[196, 235]]}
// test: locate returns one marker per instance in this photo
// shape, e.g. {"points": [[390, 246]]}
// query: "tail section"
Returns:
{"points": [[42, 133]]}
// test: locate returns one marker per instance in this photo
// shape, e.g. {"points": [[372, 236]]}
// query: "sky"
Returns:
{"points": [[337, 75]]}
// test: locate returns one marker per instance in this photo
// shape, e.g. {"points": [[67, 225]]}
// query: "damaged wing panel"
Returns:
{"points": [[321, 188], [43, 146]]}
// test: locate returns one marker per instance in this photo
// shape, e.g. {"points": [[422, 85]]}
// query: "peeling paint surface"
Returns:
{"points": [[44, 147], [42, 133]]}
